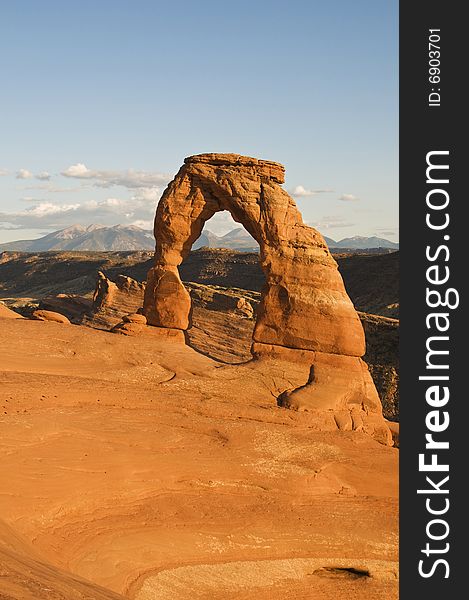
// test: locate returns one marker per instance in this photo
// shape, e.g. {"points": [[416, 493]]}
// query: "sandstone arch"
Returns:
{"points": [[305, 312]]}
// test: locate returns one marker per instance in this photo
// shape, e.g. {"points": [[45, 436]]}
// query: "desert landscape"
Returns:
{"points": [[209, 425]]}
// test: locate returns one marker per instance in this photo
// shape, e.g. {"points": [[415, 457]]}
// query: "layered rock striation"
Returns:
{"points": [[304, 305]]}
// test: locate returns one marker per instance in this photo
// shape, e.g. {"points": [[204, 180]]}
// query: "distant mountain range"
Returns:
{"points": [[360, 243], [130, 237], [93, 237], [237, 239]]}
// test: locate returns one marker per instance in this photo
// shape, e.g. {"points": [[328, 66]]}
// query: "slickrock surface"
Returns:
{"points": [[25, 575], [7, 313], [49, 315], [157, 473], [304, 305], [226, 336]]}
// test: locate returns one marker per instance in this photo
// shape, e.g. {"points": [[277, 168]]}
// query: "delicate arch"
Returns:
{"points": [[305, 314], [304, 304]]}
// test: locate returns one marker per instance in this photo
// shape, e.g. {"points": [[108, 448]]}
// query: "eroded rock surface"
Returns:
{"points": [[151, 470], [50, 315], [7, 313], [73, 307], [304, 305], [112, 300], [222, 322]]}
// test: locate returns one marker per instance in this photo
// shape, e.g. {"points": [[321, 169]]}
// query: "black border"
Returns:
{"points": [[424, 128]]}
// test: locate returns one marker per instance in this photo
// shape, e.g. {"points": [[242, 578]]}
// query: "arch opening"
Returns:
{"points": [[224, 279]]}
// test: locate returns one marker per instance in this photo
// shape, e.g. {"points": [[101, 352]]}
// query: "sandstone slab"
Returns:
{"points": [[49, 315], [140, 329], [129, 457], [135, 318], [7, 313], [113, 299]]}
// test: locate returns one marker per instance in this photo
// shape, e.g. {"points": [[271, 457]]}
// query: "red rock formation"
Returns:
{"points": [[136, 324], [112, 300], [49, 315], [304, 304], [6, 313]]}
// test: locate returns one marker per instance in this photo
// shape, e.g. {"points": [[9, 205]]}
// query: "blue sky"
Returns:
{"points": [[101, 102]]}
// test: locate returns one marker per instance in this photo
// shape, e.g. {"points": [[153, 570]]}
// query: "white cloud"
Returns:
{"points": [[108, 211], [389, 232], [112, 202], [348, 198], [139, 209], [221, 223], [301, 192], [3, 172], [130, 179], [53, 189], [31, 199], [143, 224], [5, 225], [331, 222], [79, 170], [147, 194], [45, 209], [24, 174]]}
